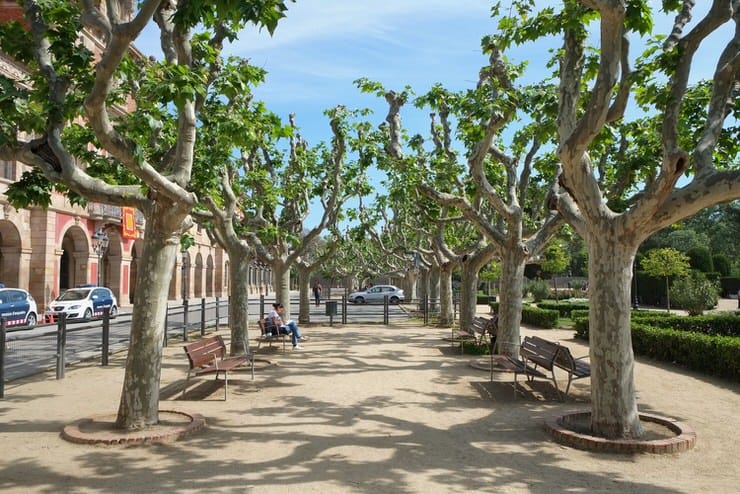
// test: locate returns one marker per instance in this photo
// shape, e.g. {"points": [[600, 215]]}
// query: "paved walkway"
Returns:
{"points": [[367, 409]]}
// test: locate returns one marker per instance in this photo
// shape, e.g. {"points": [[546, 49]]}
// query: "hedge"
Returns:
{"points": [[564, 307], [709, 352], [542, 318]]}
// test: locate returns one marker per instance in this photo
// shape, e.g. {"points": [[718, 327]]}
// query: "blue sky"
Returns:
{"points": [[324, 45]]}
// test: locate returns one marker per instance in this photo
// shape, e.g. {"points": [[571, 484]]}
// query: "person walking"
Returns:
{"points": [[317, 293]]}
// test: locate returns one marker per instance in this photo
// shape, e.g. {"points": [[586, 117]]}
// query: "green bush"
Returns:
{"points": [[473, 348], [700, 258], [716, 355], [694, 293], [542, 318], [494, 307], [710, 352], [722, 264], [539, 289], [712, 324], [564, 308]]}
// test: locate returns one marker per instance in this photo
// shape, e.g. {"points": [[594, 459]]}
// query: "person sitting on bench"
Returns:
{"points": [[286, 326]]}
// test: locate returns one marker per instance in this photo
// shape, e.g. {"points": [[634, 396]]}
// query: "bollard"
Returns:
{"points": [[386, 318], [202, 317], [166, 323], [218, 306], [2, 357], [185, 320], [106, 337], [61, 344]]}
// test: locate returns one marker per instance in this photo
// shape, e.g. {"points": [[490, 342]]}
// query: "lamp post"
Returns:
{"points": [[100, 245], [635, 299], [184, 254]]}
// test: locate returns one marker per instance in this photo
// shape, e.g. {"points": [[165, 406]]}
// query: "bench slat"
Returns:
{"points": [[538, 352], [208, 355]]}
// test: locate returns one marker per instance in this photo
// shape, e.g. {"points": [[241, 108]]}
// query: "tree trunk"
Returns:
{"points": [[468, 291], [511, 293], [139, 405], [281, 275], [613, 399], [410, 282], [239, 302], [434, 276], [471, 267], [446, 316], [667, 295], [305, 292]]}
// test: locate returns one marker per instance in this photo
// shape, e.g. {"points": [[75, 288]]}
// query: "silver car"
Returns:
{"points": [[377, 294]]}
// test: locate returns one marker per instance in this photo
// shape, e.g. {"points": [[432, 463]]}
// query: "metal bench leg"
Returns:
{"points": [[187, 379]]}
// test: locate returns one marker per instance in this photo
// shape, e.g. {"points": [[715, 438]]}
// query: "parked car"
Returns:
{"points": [[377, 294], [18, 308], [83, 303]]}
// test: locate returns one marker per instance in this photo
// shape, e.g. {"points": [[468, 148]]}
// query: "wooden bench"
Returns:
{"points": [[477, 332], [269, 333], [208, 356], [537, 353]]}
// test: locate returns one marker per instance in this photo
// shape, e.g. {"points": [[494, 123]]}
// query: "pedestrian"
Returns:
{"points": [[317, 293], [286, 327]]}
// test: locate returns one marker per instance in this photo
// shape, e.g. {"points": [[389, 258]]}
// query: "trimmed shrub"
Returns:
{"points": [[542, 318], [694, 293], [539, 289], [722, 264], [564, 308], [700, 258]]}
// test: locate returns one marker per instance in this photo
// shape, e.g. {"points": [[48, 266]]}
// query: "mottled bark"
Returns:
{"points": [[446, 315], [281, 275], [304, 294], [139, 405], [511, 293], [469, 283], [614, 413], [239, 301]]}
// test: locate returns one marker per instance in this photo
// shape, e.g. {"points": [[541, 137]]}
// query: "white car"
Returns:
{"points": [[377, 294], [83, 303]]}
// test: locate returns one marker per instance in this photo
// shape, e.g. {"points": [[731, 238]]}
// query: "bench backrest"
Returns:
{"points": [[204, 351], [539, 351], [268, 328]]}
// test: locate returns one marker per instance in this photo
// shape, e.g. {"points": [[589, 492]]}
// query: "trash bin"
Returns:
{"points": [[331, 307]]}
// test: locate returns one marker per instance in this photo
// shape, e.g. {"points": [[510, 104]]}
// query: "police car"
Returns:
{"points": [[83, 303], [18, 308]]}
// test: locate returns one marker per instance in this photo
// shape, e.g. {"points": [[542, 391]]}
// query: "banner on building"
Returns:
{"points": [[128, 223]]}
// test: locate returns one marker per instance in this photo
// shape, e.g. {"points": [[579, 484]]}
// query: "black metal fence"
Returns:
{"points": [[57, 345]]}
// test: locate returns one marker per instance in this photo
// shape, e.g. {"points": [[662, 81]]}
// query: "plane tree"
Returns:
{"points": [[691, 165], [274, 187], [117, 128], [500, 189]]}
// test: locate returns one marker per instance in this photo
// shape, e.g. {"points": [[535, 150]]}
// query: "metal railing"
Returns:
{"points": [[56, 346]]}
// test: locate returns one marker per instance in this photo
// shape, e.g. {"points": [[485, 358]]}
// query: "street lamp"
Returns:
{"points": [[100, 245], [185, 259]]}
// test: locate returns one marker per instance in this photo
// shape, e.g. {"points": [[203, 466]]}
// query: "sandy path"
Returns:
{"points": [[363, 409]]}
